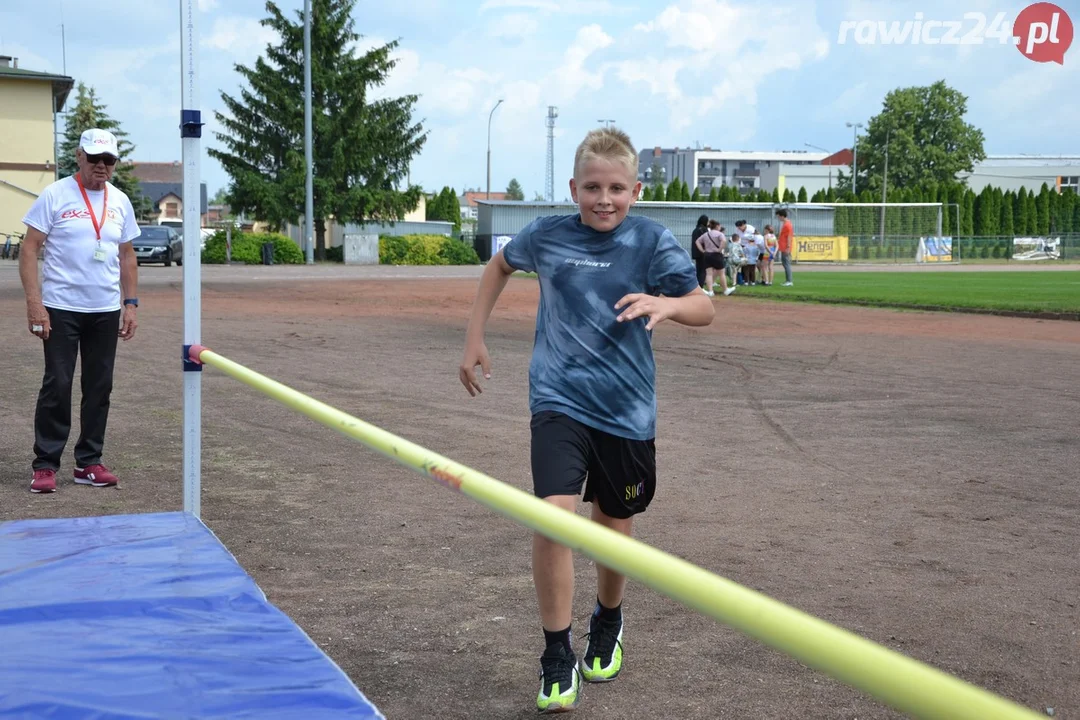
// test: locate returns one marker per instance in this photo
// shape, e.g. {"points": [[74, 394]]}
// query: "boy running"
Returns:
{"points": [[606, 280]]}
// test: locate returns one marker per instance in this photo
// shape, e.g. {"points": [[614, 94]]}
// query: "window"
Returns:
{"points": [[171, 209]]}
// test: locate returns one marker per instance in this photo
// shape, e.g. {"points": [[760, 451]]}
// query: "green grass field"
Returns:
{"points": [[1038, 292]]}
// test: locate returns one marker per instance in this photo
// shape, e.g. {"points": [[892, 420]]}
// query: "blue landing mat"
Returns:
{"points": [[150, 616]]}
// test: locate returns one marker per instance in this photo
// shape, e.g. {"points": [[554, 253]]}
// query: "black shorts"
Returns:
{"points": [[618, 474], [714, 260]]}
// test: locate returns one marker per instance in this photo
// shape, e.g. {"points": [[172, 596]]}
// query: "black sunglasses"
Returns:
{"points": [[109, 160]]}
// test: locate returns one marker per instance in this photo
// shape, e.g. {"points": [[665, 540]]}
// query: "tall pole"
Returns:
{"points": [[549, 165], [56, 106], [855, 161], [191, 133], [490, 115], [309, 200], [854, 156], [884, 185], [56, 137]]}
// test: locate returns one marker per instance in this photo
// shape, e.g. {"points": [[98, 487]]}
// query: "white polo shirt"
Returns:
{"points": [[746, 232], [71, 278]]}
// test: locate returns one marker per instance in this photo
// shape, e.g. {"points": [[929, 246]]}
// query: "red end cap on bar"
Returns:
{"points": [[194, 353]]}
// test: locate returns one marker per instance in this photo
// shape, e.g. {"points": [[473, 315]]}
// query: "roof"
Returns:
{"points": [[472, 196], [158, 172], [1020, 160], [154, 192], [840, 157], [760, 155], [61, 84]]}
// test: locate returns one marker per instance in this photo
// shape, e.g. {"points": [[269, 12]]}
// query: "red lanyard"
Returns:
{"points": [[104, 206]]}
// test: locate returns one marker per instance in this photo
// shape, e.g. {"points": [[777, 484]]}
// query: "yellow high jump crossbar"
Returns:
{"points": [[893, 678]]}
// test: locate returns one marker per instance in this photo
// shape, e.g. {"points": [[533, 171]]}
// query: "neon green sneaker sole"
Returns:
{"points": [[559, 702], [557, 662], [598, 673]]}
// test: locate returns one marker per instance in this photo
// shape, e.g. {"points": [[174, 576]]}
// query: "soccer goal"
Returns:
{"points": [[869, 232]]}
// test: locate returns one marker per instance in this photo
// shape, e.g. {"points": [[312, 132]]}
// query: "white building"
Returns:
{"points": [[1008, 172], [792, 169], [707, 168], [1011, 172]]}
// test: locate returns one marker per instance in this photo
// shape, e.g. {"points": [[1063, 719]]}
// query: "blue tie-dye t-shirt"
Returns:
{"points": [[585, 364]]}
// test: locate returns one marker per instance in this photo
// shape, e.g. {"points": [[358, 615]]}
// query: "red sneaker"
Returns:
{"points": [[96, 475], [44, 481]]}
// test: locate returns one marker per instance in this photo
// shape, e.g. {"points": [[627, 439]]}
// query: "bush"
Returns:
{"points": [[425, 250], [457, 252], [392, 249], [247, 248], [336, 254]]}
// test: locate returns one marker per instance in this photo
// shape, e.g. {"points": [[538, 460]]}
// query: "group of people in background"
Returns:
{"points": [[746, 258]]}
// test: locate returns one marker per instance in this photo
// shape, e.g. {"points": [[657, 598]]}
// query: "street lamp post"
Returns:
{"points": [[884, 185], [885, 179], [607, 123], [492, 113], [854, 155]]}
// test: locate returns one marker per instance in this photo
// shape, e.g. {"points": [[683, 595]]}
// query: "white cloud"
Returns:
{"points": [[549, 5], [243, 37], [701, 26], [852, 100], [1037, 86], [659, 76], [207, 5], [576, 72], [724, 53], [29, 59], [572, 7], [513, 26]]}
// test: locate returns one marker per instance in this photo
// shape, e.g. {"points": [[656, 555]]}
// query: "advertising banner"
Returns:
{"points": [[498, 242], [934, 249], [1036, 248], [820, 248]]}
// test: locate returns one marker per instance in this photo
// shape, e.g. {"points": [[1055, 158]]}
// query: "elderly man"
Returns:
{"points": [[86, 226]]}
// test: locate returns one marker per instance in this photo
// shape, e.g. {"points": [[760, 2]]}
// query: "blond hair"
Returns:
{"points": [[608, 144]]}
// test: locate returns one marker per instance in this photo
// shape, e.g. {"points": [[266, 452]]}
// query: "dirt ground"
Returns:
{"points": [[908, 476]]}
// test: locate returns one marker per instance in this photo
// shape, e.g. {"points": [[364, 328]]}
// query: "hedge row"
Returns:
{"points": [[906, 249], [247, 248], [393, 250], [425, 250]]}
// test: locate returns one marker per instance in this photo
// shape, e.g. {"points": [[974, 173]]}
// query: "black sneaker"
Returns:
{"points": [[560, 680], [604, 653]]}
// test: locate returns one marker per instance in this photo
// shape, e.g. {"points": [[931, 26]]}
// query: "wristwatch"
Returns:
{"points": [[132, 301]]}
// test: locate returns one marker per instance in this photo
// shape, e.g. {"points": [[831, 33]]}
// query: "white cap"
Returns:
{"points": [[96, 141]]}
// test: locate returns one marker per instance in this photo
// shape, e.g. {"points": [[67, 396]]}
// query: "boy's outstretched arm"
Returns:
{"points": [[492, 282], [695, 308]]}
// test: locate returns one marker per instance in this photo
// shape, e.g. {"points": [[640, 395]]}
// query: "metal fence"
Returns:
{"points": [[503, 217], [971, 249], [335, 233], [904, 249]]}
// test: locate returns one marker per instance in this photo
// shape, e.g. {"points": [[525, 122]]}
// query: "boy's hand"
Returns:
{"points": [[475, 354], [657, 308]]}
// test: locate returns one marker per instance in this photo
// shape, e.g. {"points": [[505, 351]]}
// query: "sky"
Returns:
{"points": [[672, 73]]}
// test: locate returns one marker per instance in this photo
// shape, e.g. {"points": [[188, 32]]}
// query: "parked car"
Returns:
{"points": [[158, 244]]}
